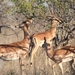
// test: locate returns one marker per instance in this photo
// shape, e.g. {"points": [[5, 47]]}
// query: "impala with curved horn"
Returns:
{"points": [[38, 38]]}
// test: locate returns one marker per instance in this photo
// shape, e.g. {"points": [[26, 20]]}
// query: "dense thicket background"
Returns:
{"points": [[14, 12]]}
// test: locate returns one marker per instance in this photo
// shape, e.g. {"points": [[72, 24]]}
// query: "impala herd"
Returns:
{"points": [[30, 44]]}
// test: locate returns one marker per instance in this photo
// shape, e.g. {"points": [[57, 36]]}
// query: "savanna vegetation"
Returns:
{"points": [[14, 12]]}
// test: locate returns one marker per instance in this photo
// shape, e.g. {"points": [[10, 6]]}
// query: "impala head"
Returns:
{"points": [[24, 23], [56, 20], [27, 22]]}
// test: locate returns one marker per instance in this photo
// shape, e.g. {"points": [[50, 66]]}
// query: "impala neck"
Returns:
{"points": [[26, 32], [53, 30], [26, 40], [50, 53], [53, 27]]}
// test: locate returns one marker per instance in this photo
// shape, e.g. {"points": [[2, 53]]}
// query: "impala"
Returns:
{"points": [[18, 49], [25, 25], [38, 38], [59, 56]]}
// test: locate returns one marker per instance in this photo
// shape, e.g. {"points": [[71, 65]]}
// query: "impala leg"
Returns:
{"points": [[53, 68], [22, 65], [73, 64], [61, 67], [33, 52]]}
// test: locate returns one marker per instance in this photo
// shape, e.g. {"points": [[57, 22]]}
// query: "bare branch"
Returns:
{"points": [[11, 27]]}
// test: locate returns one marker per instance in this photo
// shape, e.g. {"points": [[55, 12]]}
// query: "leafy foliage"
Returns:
{"points": [[30, 8], [44, 7]]}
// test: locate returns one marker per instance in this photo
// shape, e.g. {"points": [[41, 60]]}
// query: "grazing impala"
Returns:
{"points": [[38, 38], [59, 56], [18, 49]]}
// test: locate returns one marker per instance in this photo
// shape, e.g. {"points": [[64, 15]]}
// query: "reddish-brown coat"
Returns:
{"points": [[38, 38]]}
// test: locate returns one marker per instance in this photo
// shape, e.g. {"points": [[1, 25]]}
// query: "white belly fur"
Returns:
{"points": [[68, 57]]}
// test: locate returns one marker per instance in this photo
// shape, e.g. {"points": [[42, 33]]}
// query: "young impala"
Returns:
{"points": [[38, 38], [59, 56], [18, 49]]}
